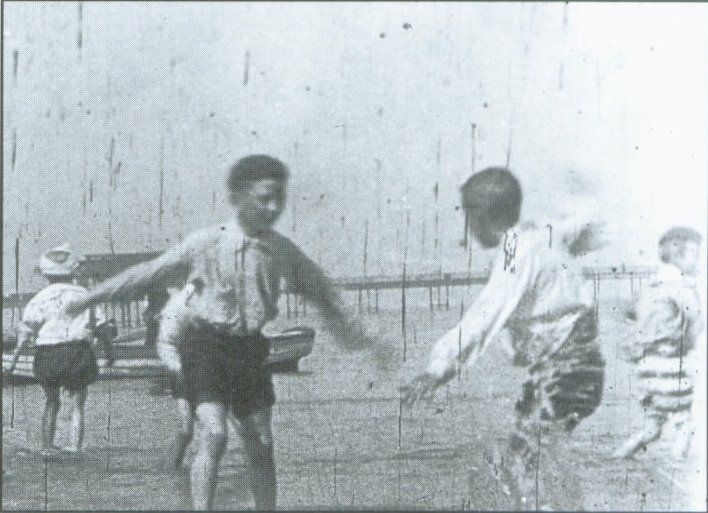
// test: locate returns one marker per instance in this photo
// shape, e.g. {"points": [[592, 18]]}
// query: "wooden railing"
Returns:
{"points": [[129, 314]]}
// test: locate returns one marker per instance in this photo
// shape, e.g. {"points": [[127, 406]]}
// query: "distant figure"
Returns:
{"points": [[170, 338], [668, 322], [235, 269], [536, 289], [64, 356]]}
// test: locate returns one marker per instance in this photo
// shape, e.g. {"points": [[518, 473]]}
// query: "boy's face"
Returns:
{"points": [[685, 256], [259, 205], [482, 228]]}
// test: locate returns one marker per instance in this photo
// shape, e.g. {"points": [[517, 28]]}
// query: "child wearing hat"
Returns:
{"points": [[64, 357]]}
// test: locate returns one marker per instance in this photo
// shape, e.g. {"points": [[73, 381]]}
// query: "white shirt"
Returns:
{"points": [[536, 291], [44, 319]]}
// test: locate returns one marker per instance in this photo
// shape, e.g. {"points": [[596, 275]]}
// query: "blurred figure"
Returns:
{"points": [[537, 290], [668, 323], [233, 271], [64, 356]]}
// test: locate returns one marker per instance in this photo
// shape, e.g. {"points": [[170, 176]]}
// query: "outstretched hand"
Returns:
{"points": [[421, 387]]}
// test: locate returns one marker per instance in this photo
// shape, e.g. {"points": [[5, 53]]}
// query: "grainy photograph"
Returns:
{"points": [[354, 256]]}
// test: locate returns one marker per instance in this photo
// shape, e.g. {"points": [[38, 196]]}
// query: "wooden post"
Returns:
{"points": [[403, 285], [138, 316]]}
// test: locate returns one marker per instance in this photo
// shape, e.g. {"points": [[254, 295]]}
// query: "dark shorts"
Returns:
{"points": [[226, 369], [71, 365], [568, 386]]}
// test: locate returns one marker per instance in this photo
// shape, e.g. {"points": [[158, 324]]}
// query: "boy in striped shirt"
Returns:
{"points": [[536, 289], [669, 321]]}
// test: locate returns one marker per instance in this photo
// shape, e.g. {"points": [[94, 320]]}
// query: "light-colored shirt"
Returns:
{"points": [[45, 321], [669, 322], [668, 314], [536, 291], [234, 280]]}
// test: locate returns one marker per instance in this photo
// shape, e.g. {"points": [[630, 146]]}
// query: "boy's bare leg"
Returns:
{"points": [[76, 437], [257, 437], [49, 418], [651, 432], [185, 432], [205, 468], [537, 468]]}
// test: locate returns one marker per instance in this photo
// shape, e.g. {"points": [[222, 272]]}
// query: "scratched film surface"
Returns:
{"points": [[120, 121]]}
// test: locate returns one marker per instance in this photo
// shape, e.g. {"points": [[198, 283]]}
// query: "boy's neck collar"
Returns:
{"points": [[235, 226]]}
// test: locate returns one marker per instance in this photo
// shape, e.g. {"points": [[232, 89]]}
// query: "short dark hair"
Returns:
{"points": [[495, 192], [680, 235], [253, 168]]}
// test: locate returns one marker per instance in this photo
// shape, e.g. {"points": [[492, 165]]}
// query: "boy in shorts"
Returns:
{"points": [[64, 357], [669, 320], [538, 292], [234, 271]]}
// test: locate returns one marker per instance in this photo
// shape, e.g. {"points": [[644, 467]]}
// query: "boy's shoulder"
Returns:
{"points": [[54, 293], [59, 289], [524, 240], [208, 235]]}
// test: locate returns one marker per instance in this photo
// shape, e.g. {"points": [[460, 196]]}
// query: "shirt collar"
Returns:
{"points": [[233, 233]]}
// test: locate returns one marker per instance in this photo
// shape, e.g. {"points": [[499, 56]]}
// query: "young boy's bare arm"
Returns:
{"points": [[32, 320]]}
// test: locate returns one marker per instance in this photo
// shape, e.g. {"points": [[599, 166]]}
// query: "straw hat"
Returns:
{"points": [[60, 261]]}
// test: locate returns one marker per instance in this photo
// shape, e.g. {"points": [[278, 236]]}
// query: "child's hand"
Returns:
{"points": [[421, 387]]}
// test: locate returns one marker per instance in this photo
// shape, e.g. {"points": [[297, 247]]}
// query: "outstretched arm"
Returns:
{"points": [[309, 280], [172, 267], [469, 339]]}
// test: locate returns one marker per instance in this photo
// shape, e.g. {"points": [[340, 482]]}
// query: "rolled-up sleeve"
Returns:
{"points": [[169, 269], [306, 278]]}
